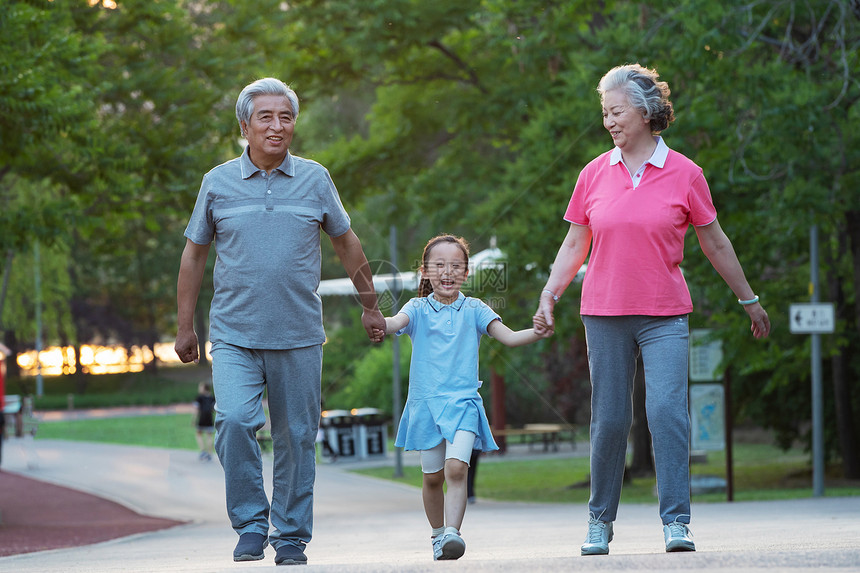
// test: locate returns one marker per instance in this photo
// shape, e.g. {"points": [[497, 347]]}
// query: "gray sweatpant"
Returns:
{"points": [[613, 344], [292, 378]]}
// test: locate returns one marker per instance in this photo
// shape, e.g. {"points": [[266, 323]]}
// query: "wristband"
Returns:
{"points": [[753, 300], [552, 294]]}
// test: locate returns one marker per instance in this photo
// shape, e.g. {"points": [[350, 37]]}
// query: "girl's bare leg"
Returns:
{"points": [[456, 472], [434, 498]]}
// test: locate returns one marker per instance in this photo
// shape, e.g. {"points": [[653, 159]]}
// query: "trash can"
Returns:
{"points": [[372, 432], [339, 426]]}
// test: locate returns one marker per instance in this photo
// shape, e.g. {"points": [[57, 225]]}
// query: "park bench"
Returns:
{"points": [[547, 434]]}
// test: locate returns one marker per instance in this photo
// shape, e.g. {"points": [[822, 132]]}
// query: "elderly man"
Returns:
{"points": [[265, 210]]}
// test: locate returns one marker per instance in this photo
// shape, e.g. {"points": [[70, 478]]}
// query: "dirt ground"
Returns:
{"points": [[36, 516]]}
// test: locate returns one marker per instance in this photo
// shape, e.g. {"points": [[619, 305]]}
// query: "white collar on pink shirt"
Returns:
{"points": [[657, 159]]}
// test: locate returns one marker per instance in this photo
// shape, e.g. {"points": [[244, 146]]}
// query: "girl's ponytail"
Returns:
{"points": [[424, 287]]}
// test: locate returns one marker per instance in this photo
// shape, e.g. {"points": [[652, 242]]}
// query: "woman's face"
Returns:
{"points": [[624, 122], [446, 269]]}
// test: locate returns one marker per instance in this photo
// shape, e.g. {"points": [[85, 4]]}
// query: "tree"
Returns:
{"points": [[470, 117]]}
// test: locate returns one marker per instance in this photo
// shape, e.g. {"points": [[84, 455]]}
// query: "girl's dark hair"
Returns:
{"points": [[424, 286]]}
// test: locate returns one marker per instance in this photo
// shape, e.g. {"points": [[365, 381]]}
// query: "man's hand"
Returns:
{"points": [[186, 347], [374, 324]]}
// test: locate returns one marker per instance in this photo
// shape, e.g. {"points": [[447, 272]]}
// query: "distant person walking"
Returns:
{"points": [[632, 206], [4, 352], [264, 211], [444, 417], [204, 420]]}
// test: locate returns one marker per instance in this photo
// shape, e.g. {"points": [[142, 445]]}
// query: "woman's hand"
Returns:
{"points": [[543, 320], [760, 326]]}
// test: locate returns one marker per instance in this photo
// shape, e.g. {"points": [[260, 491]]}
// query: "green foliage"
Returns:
{"points": [[470, 120], [112, 390], [473, 118], [371, 384]]}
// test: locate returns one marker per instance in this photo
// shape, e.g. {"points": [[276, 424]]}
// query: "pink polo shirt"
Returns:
{"points": [[638, 232]]}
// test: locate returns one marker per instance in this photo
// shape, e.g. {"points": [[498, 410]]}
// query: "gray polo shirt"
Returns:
{"points": [[267, 240]]}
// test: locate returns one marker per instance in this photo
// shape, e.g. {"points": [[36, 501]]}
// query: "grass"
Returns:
{"points": [[171, 385], [163, 431], [761, 471]]}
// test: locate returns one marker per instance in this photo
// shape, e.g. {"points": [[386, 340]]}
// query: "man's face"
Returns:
{"points": [[270, 130]]}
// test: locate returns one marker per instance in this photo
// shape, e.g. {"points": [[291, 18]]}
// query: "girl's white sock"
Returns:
{"points": [[436, 531]]}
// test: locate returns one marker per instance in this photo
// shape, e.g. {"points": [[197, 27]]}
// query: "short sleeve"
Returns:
{"points": [[201, 225], [484, 315], [576, 212], [702, 210], [335, 219], [410, 309]]}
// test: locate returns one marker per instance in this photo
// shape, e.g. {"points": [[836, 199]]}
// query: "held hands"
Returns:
{"points": [[543, 320], [374, 324], [541, 327]]}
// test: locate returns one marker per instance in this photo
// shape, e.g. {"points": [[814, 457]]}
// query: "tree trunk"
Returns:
{"points": [[10, 339], [846, 429], [642, 464], [79, 375]]}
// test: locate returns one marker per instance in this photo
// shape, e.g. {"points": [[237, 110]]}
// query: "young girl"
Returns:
{"points": [[444, 416]]}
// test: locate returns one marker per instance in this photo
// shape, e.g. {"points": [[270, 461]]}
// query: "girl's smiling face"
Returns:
{"points": [[446, 269]]}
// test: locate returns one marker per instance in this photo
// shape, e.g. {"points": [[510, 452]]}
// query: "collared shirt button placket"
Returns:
{"points": [[449, 322], [270, 202]]}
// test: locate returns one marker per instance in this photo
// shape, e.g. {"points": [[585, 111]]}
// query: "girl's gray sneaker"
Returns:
{"points": [[448, 545]]}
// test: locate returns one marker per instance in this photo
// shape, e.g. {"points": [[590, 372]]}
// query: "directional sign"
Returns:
{"points": [[811, 318]]}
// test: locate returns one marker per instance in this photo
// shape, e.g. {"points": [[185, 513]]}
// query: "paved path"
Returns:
{"points": [[369, 525]]}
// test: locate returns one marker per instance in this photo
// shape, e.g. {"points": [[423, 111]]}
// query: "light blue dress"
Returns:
{"points": [[443, 375]]}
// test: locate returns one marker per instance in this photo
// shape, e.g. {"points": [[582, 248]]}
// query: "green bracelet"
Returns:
{"points": [[753, 300], [552, 294]]}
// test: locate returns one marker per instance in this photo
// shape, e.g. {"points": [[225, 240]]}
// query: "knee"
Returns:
{"points": [[238, 422], [434, 480], [456, 470], [617, 429]]}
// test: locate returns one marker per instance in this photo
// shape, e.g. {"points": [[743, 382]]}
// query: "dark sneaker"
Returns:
{"points": [[678, 537], [290, 555], [250, 547], [597, 539], [449, 545]]}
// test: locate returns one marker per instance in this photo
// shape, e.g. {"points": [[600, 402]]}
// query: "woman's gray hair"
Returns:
{"points": [[644, 91], [265, 86]]}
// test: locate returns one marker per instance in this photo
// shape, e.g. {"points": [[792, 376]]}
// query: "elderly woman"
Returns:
{"points": [[632, 206]]}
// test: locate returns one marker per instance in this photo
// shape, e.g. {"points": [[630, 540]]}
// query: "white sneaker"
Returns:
{"points": [[598, 537], [678, 537], [448, 545]]}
